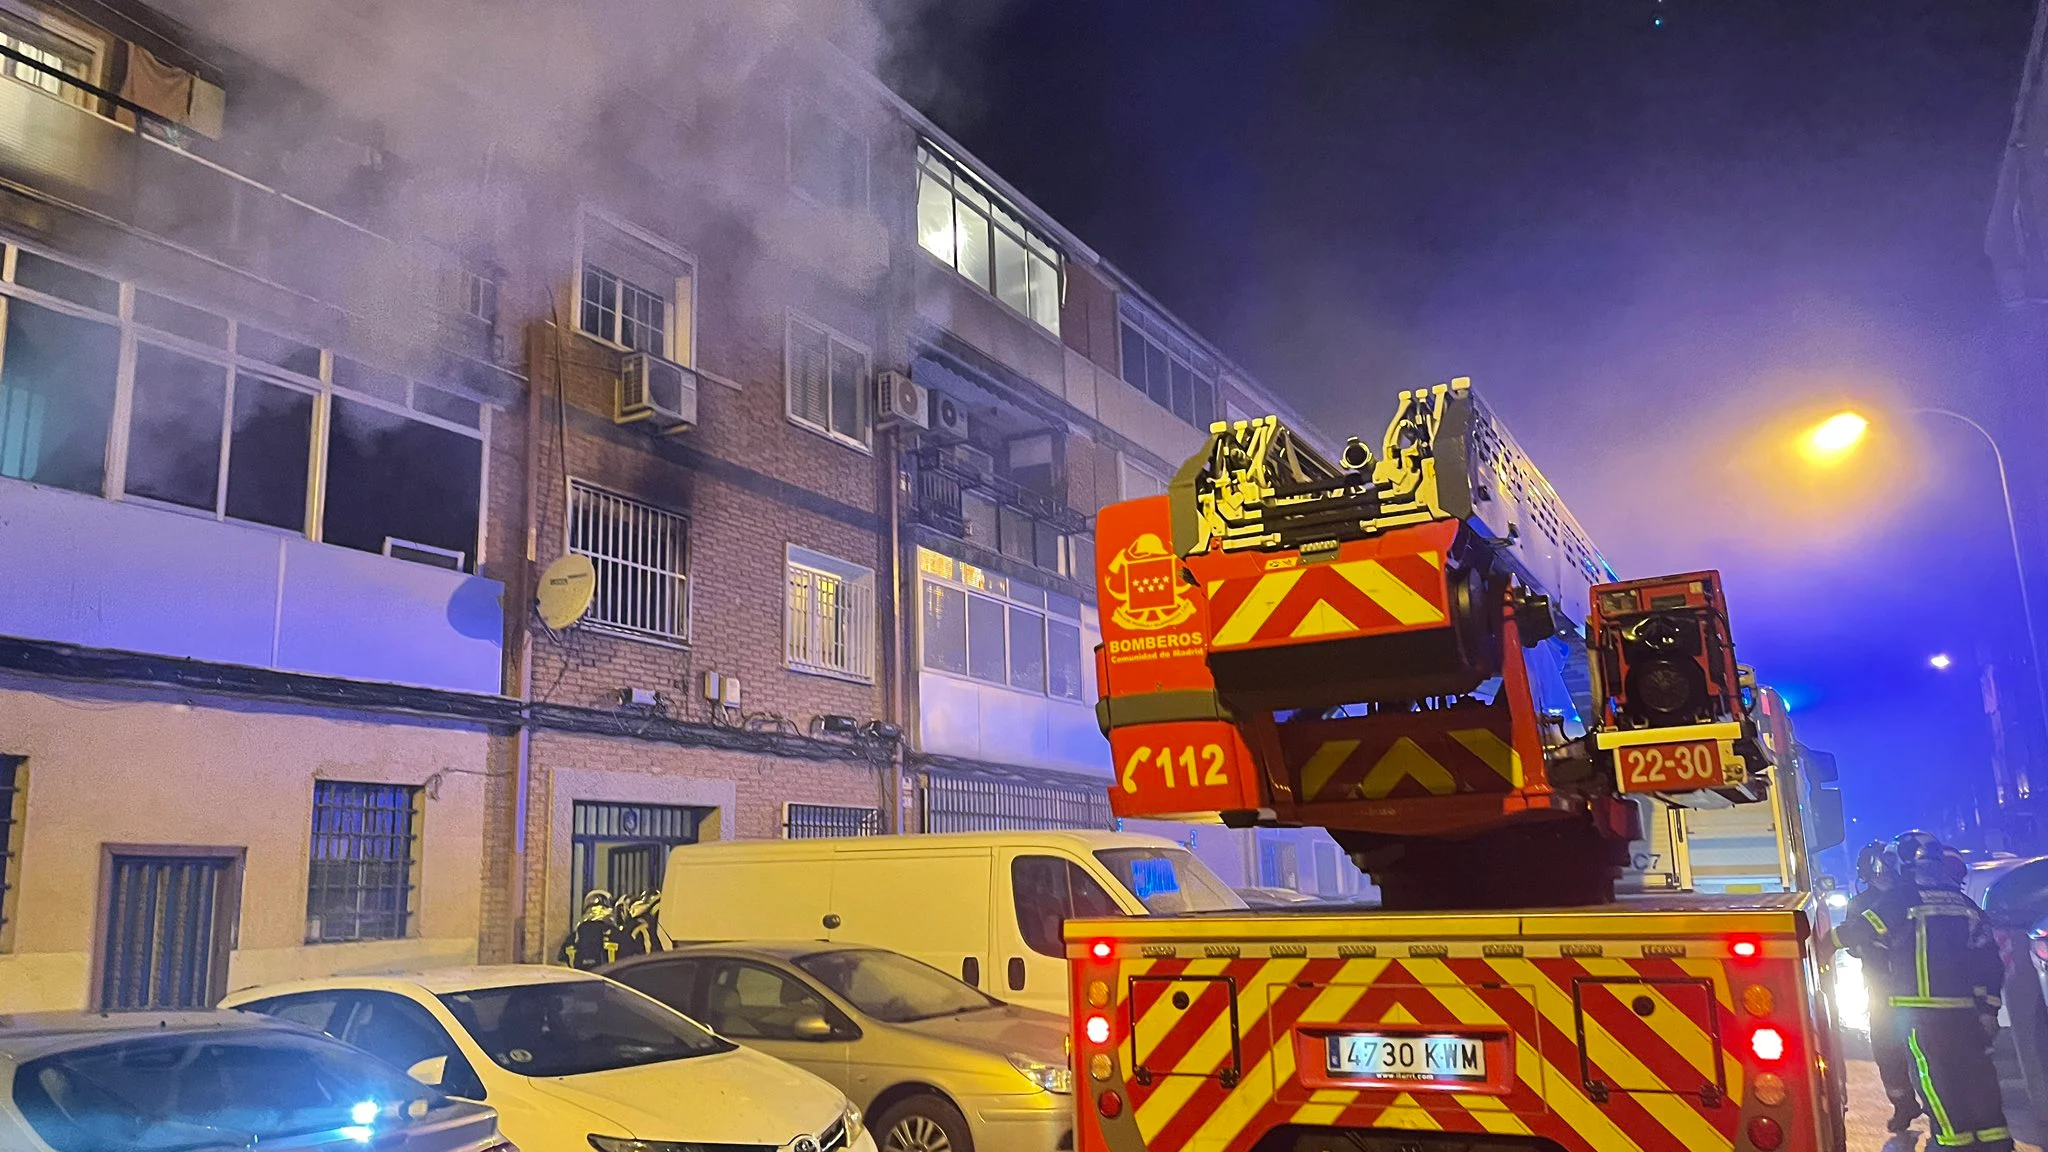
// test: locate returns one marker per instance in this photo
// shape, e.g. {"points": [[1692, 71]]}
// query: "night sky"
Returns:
{"points": [[1655, 247]]}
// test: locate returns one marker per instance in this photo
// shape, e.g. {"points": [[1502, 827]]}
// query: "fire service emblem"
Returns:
{"points": [[1144, 581]]}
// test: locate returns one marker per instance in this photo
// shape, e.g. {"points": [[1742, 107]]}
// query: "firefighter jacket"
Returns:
{"points": [[592, 943], [1932, 944]]}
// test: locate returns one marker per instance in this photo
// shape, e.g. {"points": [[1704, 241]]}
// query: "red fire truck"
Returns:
{"points": [[1418, 649]]}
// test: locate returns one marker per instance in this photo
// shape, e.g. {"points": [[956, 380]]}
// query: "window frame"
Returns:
{"points": [[800, 102], [94, 41], [414, 844], [689, 585], [864, 394], [938, 571], [1180, 352], [13, 837], [934, 160], [865, 647], [675, 313]]}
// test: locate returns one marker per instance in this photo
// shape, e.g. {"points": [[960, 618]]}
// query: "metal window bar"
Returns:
{"points": [[623, 848], [966, 804], [161, 948], [819, 821], [641, 554], [830, 624], [10, 795], [359, 879]]}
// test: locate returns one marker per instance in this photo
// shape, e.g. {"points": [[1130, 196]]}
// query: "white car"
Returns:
{"points": [[572, 1060]]}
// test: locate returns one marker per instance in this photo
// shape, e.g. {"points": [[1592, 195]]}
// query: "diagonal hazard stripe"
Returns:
{"points": [[1402, 602], [1405, 761], [1492, 751], [1323, 619], [1671, 1042], [1170, 1034], [1266, 595], [1317, 771], [1211, 1049]]}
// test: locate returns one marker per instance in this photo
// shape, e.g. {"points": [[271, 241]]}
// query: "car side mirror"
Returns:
{"points": [[430, 1071], [812, 1027]]}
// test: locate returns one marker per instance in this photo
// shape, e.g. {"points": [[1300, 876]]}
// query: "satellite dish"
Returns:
{"points": [[566, 590]]}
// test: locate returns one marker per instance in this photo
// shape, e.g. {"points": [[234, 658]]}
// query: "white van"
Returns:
{"points": [[985, 906]]}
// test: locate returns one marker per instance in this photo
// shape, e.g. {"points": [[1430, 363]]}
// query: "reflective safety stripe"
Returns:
{"points": [[1988, 1134], [1876, 921], [1947, 1133], [1932, 1002]]}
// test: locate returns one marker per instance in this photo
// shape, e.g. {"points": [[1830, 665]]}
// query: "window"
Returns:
{"points": [[13, 799], [642, 556], [830, 624], [1277, 866], [754, 1002], [1027, 650], [985, 631], [945, 628], [1166, 367], [623, 848], [1000, 630], [633, 293], [177, 427], [55, 49], [1063, 660], [268, 451], [57, 380], [390, 478], [828, 161], [575, 1027], [815, 821], [1138, 480], [365, 847], [828, 383], [980, 237], [1048, 891], [403, 1033]]}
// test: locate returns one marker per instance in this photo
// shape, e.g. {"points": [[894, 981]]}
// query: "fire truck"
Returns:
{"points": [[1416, 647]]}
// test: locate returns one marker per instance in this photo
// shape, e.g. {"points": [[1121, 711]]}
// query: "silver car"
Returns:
{"points": [[214, 1082], [937, 1065]]}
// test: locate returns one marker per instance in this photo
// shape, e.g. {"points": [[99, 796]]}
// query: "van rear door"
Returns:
{"points": [[925, 903]]}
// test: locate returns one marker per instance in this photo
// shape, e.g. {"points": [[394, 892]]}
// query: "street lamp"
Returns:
{"points": [[1835, 437], [1939, 661]]}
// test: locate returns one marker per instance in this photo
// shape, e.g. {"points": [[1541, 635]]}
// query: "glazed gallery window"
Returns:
{"points": [[1164, 366], [976, 234], [1009, 635]]}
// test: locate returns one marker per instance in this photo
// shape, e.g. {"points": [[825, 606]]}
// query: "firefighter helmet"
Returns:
{"points": [[1877, 865], [1916, 846], [597, 902]]}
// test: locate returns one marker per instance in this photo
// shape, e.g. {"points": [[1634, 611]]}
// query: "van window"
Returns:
{"points": [[1049, 889], [1168, 880]]}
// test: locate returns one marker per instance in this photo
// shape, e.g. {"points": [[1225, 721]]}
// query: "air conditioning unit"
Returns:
{"points": [[969, 461], [948, 418], [658, 391], [898, 401]]}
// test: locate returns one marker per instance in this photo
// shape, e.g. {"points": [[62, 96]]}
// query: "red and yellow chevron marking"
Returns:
{"points": [[1352, 595], [1661, 1036], [1437, 753]]}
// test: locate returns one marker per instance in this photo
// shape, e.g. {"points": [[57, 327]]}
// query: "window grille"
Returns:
{"points": [[12, 795], [642, 556], [359, 881], [968, 804], [816, 821], [831, 623]]}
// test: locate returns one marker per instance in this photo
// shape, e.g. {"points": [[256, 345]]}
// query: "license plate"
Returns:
{"points": [[1374, 1056], [1670, 767]]}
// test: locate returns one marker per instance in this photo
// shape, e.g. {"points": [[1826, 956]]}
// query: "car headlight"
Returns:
{"points": [[855, 1125], [1048, 1077], [1852, 995]]}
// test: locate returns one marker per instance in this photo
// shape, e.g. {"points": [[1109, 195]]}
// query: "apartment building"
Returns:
{"points": [[249, 661]]}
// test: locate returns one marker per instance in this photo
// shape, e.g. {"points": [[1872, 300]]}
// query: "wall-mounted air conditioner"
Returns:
{"points": [[900, 402], [657, 391], [948, 419]]}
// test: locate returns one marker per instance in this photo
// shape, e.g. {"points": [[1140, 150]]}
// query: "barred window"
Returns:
{"points": [[830, 627], [816, 821], [365, 849], [13, 798], [642, 557]]}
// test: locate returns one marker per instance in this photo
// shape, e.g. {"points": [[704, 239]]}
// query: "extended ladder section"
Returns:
{"points": [[1393, 645]]}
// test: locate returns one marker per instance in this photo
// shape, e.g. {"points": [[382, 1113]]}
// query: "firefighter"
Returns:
{"points": [[1945, 971], [639, 924], [595, 939], [1877, 872]]}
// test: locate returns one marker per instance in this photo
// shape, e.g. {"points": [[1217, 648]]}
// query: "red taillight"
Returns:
{"points": [[1766, 1134], [1099, 949], [1096, 1029], [1110, 1104], [1745, 947], [1767, 1044]]}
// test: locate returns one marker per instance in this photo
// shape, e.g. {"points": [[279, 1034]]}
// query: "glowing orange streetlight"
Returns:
{"points": [[1833, 439]]}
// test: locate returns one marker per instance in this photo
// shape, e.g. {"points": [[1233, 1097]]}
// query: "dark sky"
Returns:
{"points": [[1655, 248]]}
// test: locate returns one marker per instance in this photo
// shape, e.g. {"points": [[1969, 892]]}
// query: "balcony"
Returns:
{"points": [[215, 229], [952, 495]]}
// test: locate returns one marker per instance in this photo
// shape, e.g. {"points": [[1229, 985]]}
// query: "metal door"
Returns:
{"points": [[167, 925]]}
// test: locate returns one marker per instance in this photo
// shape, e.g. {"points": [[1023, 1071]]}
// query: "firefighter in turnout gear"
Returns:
{"points": [[1943, 971], [596, 938], [639, 924], [1877, 870]]}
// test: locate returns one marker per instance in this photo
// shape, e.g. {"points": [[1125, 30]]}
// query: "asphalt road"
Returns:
{"points": [[1868, 1109]]}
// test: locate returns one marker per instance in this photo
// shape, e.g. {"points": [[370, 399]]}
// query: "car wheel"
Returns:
{"points": [[923, 1123]]}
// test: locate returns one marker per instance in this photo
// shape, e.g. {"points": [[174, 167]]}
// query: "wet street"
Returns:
{"points": [[1868, 1110]]}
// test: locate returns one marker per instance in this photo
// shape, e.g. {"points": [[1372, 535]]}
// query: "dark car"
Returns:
{"points": [[2015, 902], [140, 1082]]}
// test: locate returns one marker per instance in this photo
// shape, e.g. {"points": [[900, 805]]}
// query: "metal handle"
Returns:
{"points": [[1016, 973]]}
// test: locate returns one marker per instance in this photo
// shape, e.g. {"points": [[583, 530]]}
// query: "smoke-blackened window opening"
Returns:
{"points": [[72, 49], [39, 273], [971, 230], [393, 481], [828, 158], [828, 383], [633, 293], [270, 447], [57, 390]]}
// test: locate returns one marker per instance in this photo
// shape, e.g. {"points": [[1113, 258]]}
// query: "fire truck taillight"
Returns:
{"points": [[1096, 1028], [1110, 1104], [1745, 947], [1769, 1088], [1767, 1044], [1765, 1134], [1758, 1001], [1100, 949], [1098, 994]]}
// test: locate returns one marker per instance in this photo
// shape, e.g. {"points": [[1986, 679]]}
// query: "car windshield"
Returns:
{"points": [[182, 1092], [569, 1027], [1169, 880], [894, 989]]}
